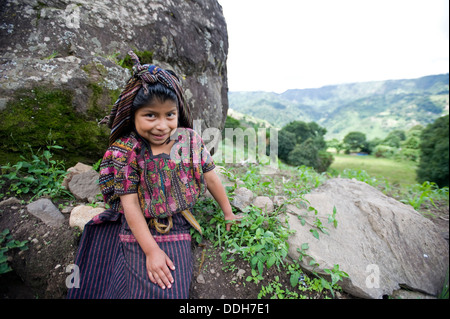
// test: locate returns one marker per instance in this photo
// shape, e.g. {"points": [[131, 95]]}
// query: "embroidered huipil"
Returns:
{"points": [[165, 183]]}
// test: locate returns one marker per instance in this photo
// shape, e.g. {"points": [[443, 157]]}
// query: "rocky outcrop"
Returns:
{"points": [[78, 49], [381, 243]]}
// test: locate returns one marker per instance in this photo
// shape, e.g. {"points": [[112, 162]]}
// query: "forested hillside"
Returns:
{"points": [[374, 108]]}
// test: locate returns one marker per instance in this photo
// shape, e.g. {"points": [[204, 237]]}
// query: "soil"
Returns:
{"points": [[40, 271]]}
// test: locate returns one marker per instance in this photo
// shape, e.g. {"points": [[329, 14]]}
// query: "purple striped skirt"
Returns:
{"points": [[112, 265]]}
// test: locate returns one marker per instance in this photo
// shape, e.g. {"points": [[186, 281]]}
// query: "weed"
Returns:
{"points": [[259, 238], [7, 243], [39, 175], [418, 194]]}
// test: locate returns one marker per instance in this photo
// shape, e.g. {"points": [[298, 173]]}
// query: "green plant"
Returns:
{"points": [[255, 277], [444, 292], [258, 238], [52, 56], [417, 194], [275, 288], [336, 276], [7, 243], [39, 175]]}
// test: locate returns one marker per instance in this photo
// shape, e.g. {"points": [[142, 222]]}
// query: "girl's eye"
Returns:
{"points": [[150, 115], [171, 115]]}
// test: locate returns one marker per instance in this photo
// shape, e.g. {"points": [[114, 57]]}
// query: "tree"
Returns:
{"points": [[305, 153], [434, 153], [394, 138], [301, 143], [286, 143], [336, 144], [354, 141]]}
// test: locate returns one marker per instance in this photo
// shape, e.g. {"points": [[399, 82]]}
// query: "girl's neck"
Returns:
{"points": [[162, 148]]}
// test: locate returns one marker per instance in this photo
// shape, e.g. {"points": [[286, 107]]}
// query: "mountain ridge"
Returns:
{"points": [[374, 108]]}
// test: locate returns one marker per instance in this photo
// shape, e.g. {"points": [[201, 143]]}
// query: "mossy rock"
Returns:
{"points": [[34, 118]]}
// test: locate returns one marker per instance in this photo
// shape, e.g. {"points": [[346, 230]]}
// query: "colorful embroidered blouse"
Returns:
{"points": [[165, 183]]}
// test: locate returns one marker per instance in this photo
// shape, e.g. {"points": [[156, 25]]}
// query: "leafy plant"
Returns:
{"points": [[336, 276], [417, 194], [259, 238], [7, 243], [39, 175], [444, 292]]}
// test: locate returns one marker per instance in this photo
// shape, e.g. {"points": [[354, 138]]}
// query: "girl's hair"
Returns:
{"points": [[150, 92]]}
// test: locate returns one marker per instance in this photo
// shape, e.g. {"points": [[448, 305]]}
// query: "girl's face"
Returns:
{"points": [[155, 121]]}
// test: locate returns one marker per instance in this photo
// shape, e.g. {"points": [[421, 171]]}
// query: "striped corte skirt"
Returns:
{"points": [[112, 265]]}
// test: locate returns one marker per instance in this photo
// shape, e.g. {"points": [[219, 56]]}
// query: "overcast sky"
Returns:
{"points": [[276, 45]]}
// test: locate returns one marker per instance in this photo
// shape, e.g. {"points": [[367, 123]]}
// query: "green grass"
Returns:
{"points": [[395, 172]]}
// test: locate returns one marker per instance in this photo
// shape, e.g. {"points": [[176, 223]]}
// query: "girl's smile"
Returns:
{"points": [[156, 121]]}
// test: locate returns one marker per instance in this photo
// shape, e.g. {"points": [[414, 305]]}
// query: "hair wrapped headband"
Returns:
{"points": [[120, 117]]}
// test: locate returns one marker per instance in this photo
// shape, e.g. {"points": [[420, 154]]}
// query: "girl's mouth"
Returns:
{"points": [[159, 137]]}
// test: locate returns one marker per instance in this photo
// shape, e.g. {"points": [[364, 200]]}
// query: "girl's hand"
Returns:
{"points": [[158, 264], [230, 219]]}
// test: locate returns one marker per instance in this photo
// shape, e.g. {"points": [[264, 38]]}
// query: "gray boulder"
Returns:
{"points": [[242, 198], [46, 211], [77, 47], [84, 186], [381, 243]]}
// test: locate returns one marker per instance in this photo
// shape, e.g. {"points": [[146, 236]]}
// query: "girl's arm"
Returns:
{"points": [[217, 190], [158, 262]]}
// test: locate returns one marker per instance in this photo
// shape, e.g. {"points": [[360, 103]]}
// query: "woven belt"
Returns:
{"points": [[164, 229]]}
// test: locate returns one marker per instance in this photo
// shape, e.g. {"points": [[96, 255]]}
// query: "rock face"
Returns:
{"points": [[78, 46], [381, 243]]}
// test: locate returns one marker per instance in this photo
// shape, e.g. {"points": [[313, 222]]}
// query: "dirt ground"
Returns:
{"points": [[40, 272]]}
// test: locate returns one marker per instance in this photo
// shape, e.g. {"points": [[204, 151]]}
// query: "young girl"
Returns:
{"points": [[151, 176]]}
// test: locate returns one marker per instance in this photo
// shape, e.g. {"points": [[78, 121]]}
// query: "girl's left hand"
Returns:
{"points": [[230, 219]]}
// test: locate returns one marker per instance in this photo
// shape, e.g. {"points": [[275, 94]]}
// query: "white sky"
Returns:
{"points": [[276, 45]]}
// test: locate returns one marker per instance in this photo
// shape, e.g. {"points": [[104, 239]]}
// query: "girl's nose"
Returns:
{"points": [[161, 125]]}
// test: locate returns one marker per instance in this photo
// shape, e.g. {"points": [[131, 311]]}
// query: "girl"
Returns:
{"points": [[154, 170]]}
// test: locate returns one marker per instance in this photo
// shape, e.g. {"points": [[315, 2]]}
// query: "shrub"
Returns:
{"points": [[384, 151], [434, 153]]}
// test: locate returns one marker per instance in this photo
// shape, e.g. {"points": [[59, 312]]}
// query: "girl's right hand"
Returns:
{"points": [[158, 264]]}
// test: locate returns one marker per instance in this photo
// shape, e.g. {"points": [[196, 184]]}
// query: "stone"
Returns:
{"points": [[46, 211], [82, 214], [201, 279], [379, 242], [240, 273], [84, 186], [279, 200], [242, 198], [77, 169], [264, 202], [9, 201]]}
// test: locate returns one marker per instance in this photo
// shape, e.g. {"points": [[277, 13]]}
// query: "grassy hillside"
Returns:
{"points": [[374, 108], [400, 173]]}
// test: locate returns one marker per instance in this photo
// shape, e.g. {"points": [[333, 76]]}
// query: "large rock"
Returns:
{"points": [[263, 202], [82, 214], [242, 198], [47, 212], [77, 47], [381, 243], [72, 171], [84, 186]]}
